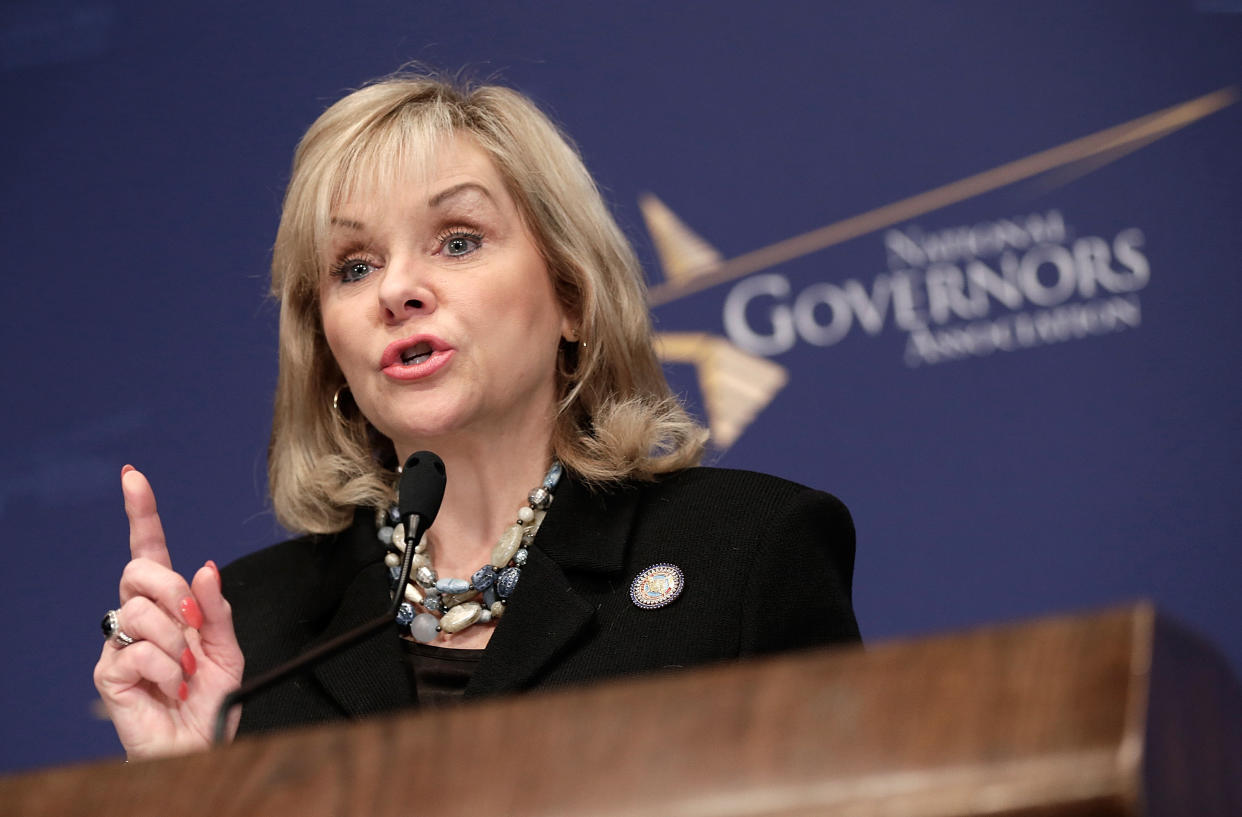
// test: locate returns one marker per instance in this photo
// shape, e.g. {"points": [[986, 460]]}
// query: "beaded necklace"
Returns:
{"points": [[451, 605]]}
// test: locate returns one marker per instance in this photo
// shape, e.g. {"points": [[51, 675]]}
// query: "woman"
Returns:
{"points": [[450, 279]]}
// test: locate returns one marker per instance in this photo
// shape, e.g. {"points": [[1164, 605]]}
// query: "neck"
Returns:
{"points": [[488, 481]]}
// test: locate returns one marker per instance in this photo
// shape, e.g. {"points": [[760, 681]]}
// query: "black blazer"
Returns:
{"points": [[767, 563]]}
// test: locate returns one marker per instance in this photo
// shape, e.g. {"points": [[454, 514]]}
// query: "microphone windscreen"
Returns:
{"points": [[421, 489]]}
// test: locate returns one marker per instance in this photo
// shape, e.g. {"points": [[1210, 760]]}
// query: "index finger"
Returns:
{"points": [[146, 534]]}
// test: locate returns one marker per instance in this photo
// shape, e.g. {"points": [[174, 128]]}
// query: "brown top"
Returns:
{"points": [[440, 673]]}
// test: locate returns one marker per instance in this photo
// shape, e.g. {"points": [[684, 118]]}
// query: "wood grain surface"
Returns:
{"points": [[1048, 717]]}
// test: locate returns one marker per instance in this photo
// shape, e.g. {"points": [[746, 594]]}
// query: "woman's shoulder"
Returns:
{"points": [[758, 535], [700, 504], [747, 490], [300, 564], [275, 562]]}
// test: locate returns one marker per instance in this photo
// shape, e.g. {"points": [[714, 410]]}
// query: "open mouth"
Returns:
{"points": [[416, 357], [418, 353]]}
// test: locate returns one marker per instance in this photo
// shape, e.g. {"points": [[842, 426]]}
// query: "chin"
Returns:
{"points": [[428, 423]]}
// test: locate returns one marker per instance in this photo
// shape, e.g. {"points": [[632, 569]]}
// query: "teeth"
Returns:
{"points": [[416, 354]]}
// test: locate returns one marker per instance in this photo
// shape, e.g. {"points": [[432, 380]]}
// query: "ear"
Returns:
{"points": [[569, 329]]}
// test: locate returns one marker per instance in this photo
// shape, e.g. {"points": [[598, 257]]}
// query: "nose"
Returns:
{"points": [[405, 290]]}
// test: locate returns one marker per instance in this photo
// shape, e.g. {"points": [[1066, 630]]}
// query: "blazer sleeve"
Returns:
{"points": [[798, 588]]}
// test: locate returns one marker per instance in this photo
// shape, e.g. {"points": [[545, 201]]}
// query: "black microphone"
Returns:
{"points": [[421, 489], [419, 494]]}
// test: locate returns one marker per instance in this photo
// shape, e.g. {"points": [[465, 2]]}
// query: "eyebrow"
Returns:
{"points": [[434, 201], [456, 190]]}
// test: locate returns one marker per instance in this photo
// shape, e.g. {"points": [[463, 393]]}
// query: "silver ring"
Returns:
{"points": [[111, 626]]}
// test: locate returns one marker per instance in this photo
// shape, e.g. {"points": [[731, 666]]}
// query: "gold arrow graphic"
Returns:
{"points": [[688, 259]]}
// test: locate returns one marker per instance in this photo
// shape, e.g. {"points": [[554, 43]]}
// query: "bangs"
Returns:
{"points": [[400, 149], [346, 157]]}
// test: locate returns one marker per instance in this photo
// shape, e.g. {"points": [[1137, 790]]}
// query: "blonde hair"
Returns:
{"points": [[617, 418]]}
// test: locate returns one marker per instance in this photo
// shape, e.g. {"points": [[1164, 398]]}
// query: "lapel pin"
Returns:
{"points": [[657, 586]]}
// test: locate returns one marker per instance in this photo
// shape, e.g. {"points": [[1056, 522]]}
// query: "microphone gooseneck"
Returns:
{"points": [[419, 494]]}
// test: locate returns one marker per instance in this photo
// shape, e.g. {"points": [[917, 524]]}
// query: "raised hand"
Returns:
{"points": [[163, 689]]}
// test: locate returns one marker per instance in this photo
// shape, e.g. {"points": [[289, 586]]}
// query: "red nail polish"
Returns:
{"points": [[219, 580], [188, 663], [190, 612], [183, 691], [125, 469]]}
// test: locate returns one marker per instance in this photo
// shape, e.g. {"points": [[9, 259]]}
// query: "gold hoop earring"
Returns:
{"points": [[336, 399]]}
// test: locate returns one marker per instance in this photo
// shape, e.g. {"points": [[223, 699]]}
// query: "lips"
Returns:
{"points": [[415, 358]]}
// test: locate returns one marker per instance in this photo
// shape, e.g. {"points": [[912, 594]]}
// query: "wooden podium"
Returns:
{"points": [[1115, 713]]}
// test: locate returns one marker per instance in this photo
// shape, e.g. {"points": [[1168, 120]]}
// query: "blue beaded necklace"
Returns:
{"points": [[451, 605]]}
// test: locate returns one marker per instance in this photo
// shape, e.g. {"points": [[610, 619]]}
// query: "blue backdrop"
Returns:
{"points": [[970, 265]]}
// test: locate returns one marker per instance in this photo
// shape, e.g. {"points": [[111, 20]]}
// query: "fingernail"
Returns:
{"points": [[219, 580], [183, 691], [190, 612], [125, 469], [188, 663]]}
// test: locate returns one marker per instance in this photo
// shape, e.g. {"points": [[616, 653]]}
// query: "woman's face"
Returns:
{"points": [[438, 306]]}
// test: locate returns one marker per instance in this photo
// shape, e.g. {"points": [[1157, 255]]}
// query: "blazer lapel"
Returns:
{"points": [[584, 532], [370, 676]]}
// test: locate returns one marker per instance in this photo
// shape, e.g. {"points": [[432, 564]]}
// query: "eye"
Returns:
{"points": [[457, 243], [353, 269]]}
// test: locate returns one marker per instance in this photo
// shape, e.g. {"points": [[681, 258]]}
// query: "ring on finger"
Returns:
{"points": [[111, 626]]}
